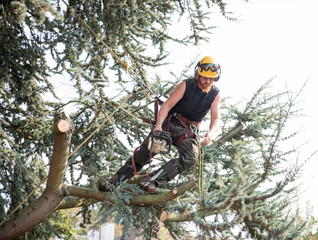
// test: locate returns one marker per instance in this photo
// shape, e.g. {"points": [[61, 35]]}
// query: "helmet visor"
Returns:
{"points": [[209, 66]]}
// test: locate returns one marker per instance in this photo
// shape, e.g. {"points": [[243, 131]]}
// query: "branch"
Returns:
{"points": [[190, 216], [229, 135], [250, 223], [72, 202], [38, 210], [63, 128], [82, 192], [164, 197], [269, 160]]}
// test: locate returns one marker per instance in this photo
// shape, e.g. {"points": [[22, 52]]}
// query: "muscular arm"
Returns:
{"points": [[214, 122], [175, 97]]}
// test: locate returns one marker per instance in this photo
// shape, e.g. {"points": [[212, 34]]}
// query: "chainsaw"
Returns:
{"points": [[159, 142]]}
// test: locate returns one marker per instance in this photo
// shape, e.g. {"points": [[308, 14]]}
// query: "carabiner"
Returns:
{"points": [[154, 95], [139, 84], [194, 129]]}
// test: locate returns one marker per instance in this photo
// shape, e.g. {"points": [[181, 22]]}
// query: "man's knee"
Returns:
{"points": [[142, 155]]}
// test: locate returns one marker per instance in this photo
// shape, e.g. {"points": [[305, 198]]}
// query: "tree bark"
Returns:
{"points": [[37, 211]]}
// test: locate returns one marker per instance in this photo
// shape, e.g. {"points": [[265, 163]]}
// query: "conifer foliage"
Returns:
{"points": [[244, 192]]}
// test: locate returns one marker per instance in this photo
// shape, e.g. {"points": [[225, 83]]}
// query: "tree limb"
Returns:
{"points": [[63, 128], [204, 212], [82, 192], [73, 202], [38, 210], [229, 135]]}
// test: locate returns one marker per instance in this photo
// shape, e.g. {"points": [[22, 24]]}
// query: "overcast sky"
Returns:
{"points": [[273, 38]]}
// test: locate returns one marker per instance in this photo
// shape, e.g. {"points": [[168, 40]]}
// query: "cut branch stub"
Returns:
{"points": [[63, 123], [63, 126]]}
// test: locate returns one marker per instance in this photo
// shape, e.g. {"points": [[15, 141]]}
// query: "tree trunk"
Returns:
{"points": [[37, 211]]}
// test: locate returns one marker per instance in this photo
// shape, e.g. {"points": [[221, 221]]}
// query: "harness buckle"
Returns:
{"points": [[177, 115]]}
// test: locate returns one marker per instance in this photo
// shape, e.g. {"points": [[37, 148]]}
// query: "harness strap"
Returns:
{"points": [[156, 110], [184, 121], [183, 137], [168, 124]]}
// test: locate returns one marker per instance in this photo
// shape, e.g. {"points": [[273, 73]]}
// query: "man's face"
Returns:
{"points": [[205, 82]]}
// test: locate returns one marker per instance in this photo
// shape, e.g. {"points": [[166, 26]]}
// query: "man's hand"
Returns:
{"points": [[157, 128], [207, 139]]}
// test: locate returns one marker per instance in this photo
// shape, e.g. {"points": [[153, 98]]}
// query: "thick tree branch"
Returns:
{"points": [[82, 192], [38, 210], [164, 197], [72, 202], [63, 128]]}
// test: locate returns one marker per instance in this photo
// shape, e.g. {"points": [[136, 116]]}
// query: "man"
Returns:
{"points": [[180, 114]]}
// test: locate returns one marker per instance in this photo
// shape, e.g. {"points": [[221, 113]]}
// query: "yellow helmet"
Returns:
{"points": [[207, 67]]}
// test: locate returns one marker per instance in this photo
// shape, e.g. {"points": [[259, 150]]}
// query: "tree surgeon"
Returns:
{"points": [[183, 112]]}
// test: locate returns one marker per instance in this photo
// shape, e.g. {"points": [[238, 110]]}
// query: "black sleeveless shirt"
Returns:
{"points": [[195, 104]]}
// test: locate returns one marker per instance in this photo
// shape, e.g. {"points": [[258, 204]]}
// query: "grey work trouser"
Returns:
{"points": [[188, 154]]}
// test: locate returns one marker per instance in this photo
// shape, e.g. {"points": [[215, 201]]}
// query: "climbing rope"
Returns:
{"points": [[125, 65], [199, 164]]}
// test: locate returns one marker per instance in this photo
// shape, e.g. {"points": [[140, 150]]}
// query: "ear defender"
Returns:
{"points": [[196, 70]]}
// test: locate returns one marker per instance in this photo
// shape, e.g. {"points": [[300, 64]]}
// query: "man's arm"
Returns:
{"points": [[175, 97], [214, 122]]}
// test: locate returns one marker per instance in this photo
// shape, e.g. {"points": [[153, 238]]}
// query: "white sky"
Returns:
{"points": [[273, 38]]}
